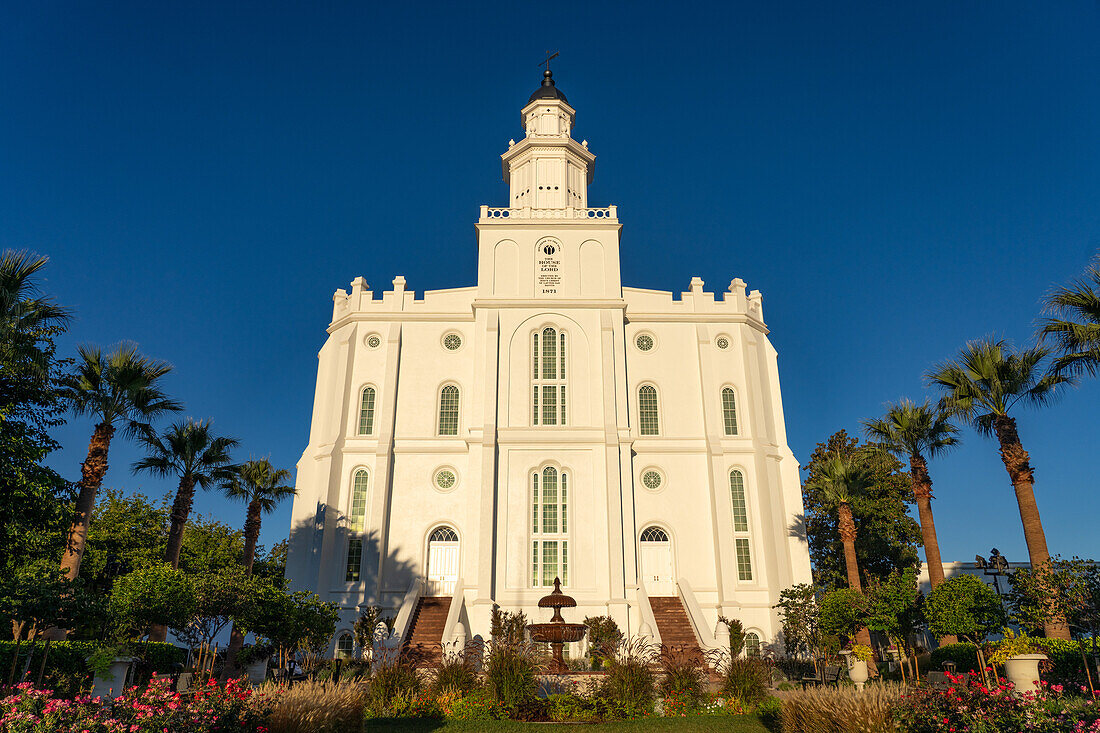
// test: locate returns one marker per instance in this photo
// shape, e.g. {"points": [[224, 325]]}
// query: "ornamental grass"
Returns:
{"points": [[842, 709], [317, 707]]}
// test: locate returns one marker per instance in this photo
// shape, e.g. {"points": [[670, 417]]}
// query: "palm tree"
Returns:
{"points": [[841, 479], [190, 451], [262, 486], [27, 321], [917, 432], [984, 384], [120, 387], [1076, 327]]}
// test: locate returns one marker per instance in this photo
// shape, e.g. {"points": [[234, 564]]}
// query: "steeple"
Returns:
{"points": [[548, 169]]}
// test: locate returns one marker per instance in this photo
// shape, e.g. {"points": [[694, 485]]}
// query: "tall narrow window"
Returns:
{"points": [[648, 422], [358, 513], [355, 559], [752, 644], [741, 544], [345, 646], [448, 410], [548, 377], [549, 527], [366, 412], [729, 411]]}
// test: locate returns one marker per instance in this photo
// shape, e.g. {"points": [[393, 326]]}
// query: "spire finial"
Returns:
{"points": [[548, 80]]}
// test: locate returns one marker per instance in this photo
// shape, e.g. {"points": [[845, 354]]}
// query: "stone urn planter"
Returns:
{"points": [[257, 671], [1022, 670], [114, 684], [857, 669]]}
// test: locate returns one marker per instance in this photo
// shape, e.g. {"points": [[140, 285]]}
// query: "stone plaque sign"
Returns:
{"points": [[548, 268]]}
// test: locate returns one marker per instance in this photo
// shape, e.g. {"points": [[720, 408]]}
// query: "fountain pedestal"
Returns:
{"points": [[557, 632]]}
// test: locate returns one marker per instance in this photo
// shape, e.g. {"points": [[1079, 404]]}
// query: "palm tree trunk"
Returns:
{"points": [[921, 483], [1018, 464], [92, 472], [846, 526], [181, 509], [251, 535]]}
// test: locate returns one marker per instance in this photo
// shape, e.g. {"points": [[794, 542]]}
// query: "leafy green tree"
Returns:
{"points": [[127, 533], [1060, 589], [220, 596], [964, 606], [886, 536], [798, 612], [33, 497], [916, 433], [154, 595], [37, 596], [893, 608], [262, 487], [843, 613], [210, 546], [272, 564], [291, 621], [191, 452], [1075, 323], [984, 385], [122, 387]]}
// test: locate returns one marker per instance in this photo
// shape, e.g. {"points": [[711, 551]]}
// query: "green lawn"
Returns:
{"points": [[722, 723]]}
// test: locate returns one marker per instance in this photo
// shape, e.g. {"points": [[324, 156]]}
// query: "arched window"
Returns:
{"points": [[548, 377], [443, 534], [355, 560], [448, 410], [741, 537], [549, 527], [648, 423], [729, 411], [366, 412], [654, 534], [358, 513], [752, 644], [345, 646]]}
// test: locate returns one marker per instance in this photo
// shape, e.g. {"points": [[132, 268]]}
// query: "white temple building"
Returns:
{"points": [[472, 444]]}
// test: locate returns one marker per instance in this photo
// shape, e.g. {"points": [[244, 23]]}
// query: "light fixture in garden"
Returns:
{"points": [[996, 565]]}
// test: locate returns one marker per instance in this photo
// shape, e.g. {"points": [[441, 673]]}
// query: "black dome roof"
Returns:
{"points": [[548, 90]]}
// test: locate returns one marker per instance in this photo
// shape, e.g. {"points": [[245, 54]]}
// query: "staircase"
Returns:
{"points": [[426, 630], [673, 624]]}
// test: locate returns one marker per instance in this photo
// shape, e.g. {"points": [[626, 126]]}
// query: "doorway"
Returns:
{"points": [[655, 550], [442, 562]]}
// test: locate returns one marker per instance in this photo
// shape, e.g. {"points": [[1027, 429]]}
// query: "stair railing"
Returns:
{"points": [[453, 627], [648, 619], [408, 608]]}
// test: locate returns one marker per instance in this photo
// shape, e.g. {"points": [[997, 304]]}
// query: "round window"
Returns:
{"points": [[722, 342], [445, 479], [452, 342], [652, 480], [644, 342], [374, 341]]}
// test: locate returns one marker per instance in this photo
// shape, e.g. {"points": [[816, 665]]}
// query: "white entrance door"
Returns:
{"points": [[442, 562], [655, 554]]}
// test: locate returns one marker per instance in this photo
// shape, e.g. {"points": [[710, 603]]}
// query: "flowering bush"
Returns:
{"points": [[152, 709], [971, 707]]}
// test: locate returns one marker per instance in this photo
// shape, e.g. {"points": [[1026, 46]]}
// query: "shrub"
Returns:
{"points": [[477, 706], [682, 678], [571, 709], [963, 654], [317, 706], [394, 682], [737, 634], [603, 636], [508, 627], [770, 711], [1065, 666], [511, 671], [628, 687], [67, 671], [842, 709], [746, 679], [455, 674], [966, 705]]}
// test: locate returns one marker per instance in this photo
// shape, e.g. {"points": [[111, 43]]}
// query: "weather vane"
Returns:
{"points": [[549, 57]]}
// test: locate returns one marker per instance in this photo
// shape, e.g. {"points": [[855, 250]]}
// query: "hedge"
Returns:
{"points": [[963, 654], [1065, 666], [67, 670]]}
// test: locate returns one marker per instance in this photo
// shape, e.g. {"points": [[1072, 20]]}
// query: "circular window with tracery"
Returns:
{"points": [[374, 341], [452, 342], [652, 479], [722, 342], [644, 342], [445, 479]]}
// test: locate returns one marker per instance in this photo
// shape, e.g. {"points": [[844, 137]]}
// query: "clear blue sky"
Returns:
{"points": [[896, 179]]}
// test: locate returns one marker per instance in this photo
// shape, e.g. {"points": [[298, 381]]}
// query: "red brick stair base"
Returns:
{"points": [[426, 631]]}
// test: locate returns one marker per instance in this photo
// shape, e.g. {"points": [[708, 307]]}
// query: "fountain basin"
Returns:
{"points": [[556, 632]]}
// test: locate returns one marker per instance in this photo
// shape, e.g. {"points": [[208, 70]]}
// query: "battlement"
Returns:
{"points": [[361, 299], [648, 304]]}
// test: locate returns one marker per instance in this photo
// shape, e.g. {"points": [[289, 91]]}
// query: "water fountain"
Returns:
{"points": [[557, 632]]}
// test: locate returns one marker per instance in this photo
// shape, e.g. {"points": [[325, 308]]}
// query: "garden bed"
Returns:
{"points": [[689, 724]]}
